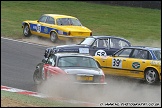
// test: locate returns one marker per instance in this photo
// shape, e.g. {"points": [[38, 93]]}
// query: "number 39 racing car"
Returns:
{"points": [[135, 61]]}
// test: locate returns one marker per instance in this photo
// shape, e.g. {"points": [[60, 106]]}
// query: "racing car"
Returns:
{"points": [[93, 45], [76, 68], [140, 62], [56, 26]]}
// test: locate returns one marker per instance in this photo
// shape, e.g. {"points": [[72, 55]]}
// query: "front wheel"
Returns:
{"points": [[39, 75], [151, 76], [26, 31], [53, 36]]}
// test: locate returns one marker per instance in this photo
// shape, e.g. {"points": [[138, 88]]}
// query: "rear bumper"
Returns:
{"points": [[80, 83]]}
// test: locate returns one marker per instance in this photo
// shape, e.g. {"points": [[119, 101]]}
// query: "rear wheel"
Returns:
{"points": [[26, 31], [53, 36], [151, 76]]}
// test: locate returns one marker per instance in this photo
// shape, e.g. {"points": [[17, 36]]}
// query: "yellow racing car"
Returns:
{"points": [[135, 61], [55, 26]]}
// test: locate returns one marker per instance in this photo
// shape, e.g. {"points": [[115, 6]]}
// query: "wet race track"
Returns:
{"points": [[18, 61]]}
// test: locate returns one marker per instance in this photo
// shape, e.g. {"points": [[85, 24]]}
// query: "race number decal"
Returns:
{"points": [[38, 28], [100, 53], [117, 63]]}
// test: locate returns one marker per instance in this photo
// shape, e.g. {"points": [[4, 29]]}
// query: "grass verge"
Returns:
{"points": [[15, 99], [127, 22]]}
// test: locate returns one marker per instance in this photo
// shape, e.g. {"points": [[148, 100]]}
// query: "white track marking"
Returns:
{"points": [[24, 42]]}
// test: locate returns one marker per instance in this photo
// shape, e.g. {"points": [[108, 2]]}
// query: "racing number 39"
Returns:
{"points": [[117, 63]]}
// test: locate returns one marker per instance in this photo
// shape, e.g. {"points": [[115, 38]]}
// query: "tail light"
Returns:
{"points": [[69, 33], [90, 33], [102, 79]]}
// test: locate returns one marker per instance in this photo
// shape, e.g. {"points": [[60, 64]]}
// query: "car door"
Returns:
{"points": [[36, 27], [117, 64], [39, 27], [137, 63], [48, 26]]}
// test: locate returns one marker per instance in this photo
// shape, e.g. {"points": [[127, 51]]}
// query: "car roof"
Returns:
{"points": [[145, 47], [59, 16], [104, 37], [72, 54]]}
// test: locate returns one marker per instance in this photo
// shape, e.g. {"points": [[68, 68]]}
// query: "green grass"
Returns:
{"points": [[41, 102], [127, 22]]}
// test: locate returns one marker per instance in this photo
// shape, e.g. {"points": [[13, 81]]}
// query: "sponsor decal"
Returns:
{"points": [[155, 62], [84, 50], [35, 27], [136, 65], [60, 32], [45, 29]]}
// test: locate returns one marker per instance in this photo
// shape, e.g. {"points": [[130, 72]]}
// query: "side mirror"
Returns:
{"points": [[44, 60]]}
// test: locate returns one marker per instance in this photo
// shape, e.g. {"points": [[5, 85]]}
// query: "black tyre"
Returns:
{"points": [[53, 36], [39, 75], [26, 31], [36, 77], [151, 76]]}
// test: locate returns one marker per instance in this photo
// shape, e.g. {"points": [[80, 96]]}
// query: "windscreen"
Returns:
{"points": [[77, 62]]}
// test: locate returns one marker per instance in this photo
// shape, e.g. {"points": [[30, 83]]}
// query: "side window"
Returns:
{"points": [[115, 43], [95, 43], [140, 54], [134, 55], [50, 20], [75, 22], [100, 43], [149, 56], [123, 43], [58, 22], [51, 60], [43, 19], [124, 53]]}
